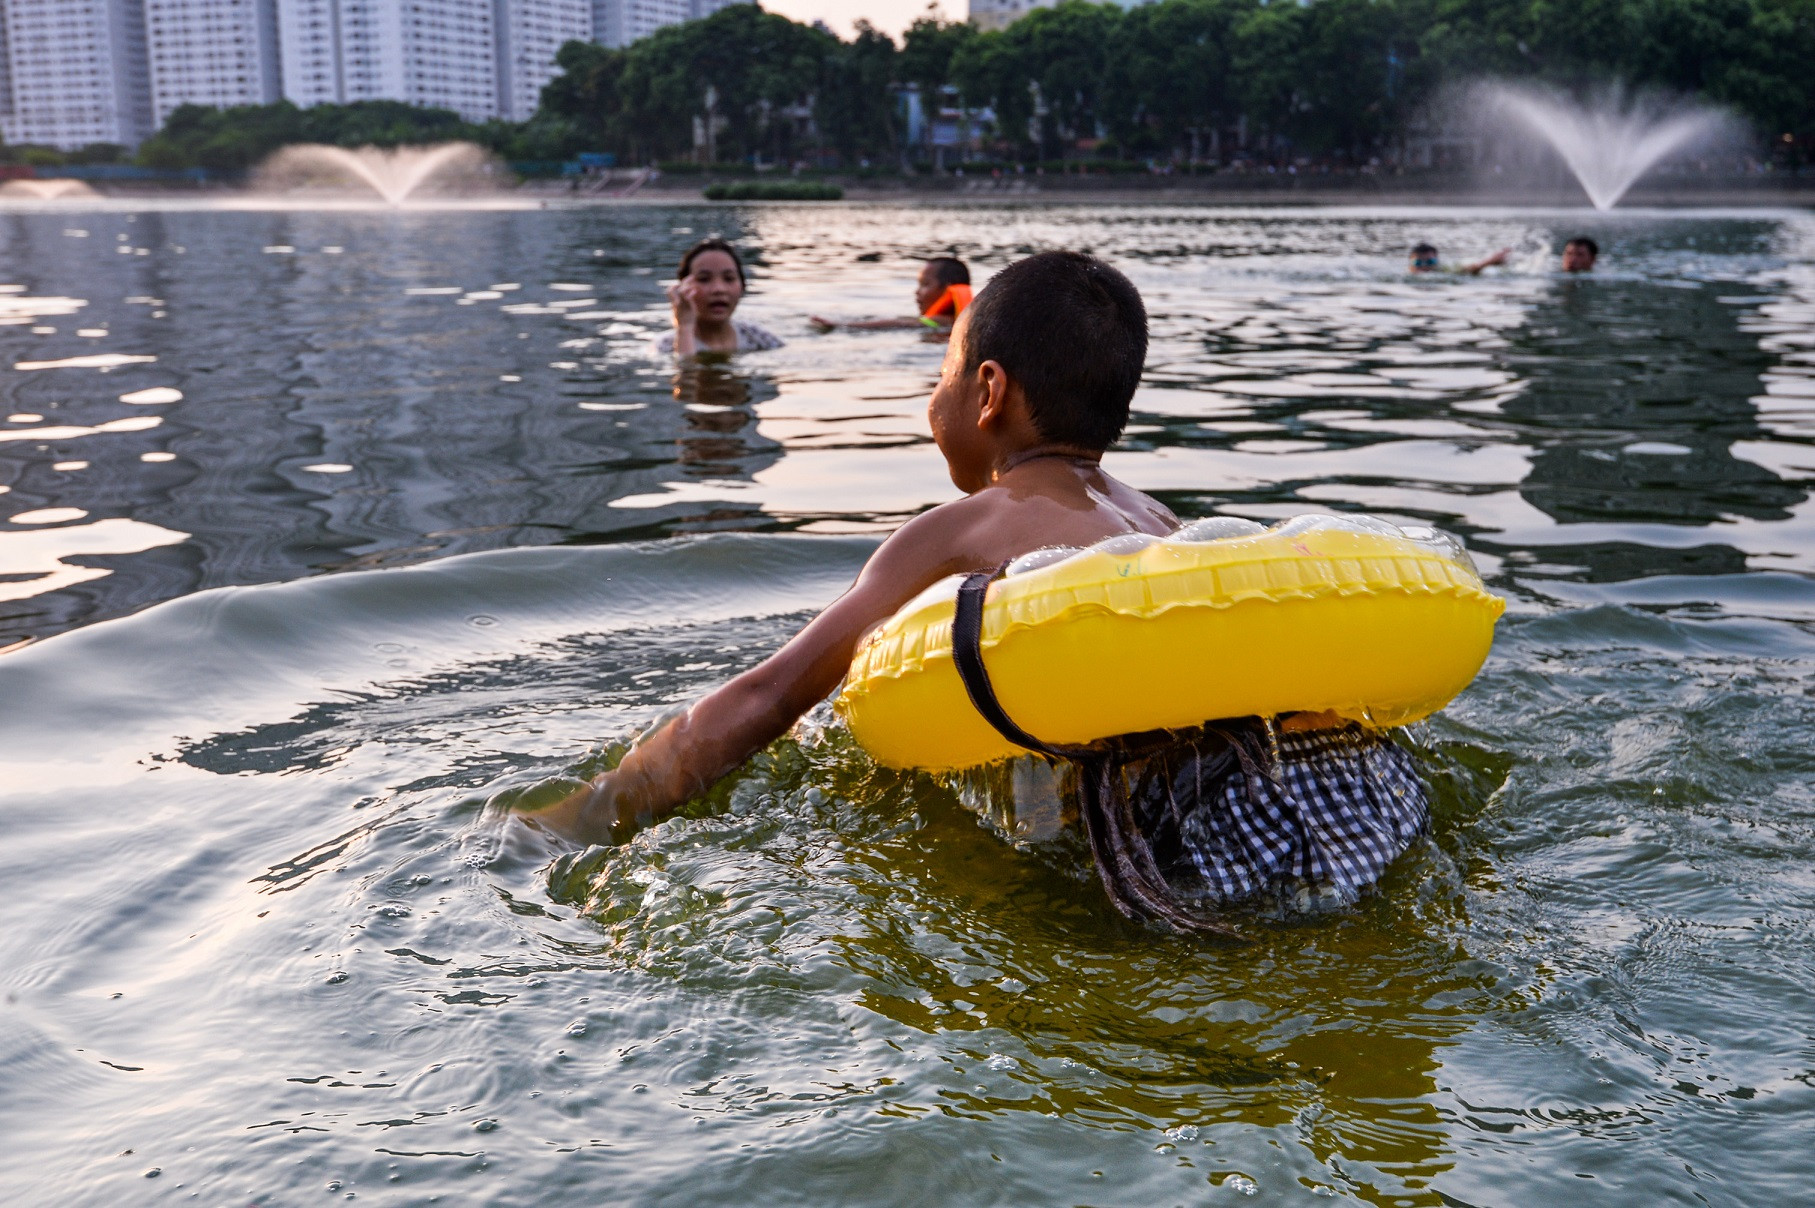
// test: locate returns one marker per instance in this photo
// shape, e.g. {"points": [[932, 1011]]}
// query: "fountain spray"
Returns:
{"points": [[1612, 140], [395, 175]]}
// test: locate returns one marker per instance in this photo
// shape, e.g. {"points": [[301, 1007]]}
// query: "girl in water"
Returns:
{"points": [[704, 296]]}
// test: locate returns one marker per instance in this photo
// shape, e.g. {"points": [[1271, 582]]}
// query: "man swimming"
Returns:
{"points": [[941, 293], [1036, 385], [1579, 255]]}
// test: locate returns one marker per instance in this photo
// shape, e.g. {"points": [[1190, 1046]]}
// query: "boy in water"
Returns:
{"points": [[1036, 384], [1424, 260], [941, 293]]}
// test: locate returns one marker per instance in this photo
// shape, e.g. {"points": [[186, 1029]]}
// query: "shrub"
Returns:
{"points": [[774, 190]]}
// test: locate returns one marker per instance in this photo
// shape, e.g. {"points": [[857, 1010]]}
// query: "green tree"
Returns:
{"points": [[929, 50], [588, 95], [855, 107], [1168, 79], [1068, 49]]}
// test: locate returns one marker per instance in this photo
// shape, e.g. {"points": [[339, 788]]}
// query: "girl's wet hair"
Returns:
{"points": [[710, 244]]}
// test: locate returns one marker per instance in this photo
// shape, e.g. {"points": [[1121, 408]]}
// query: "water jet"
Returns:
{"points": [[395, 175], [1611, 140], [54, 189]]}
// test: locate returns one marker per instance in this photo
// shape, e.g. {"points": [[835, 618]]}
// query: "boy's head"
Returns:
{"points": [[1424, 258], [1061, 331], [1579, 254], [936, 275]]}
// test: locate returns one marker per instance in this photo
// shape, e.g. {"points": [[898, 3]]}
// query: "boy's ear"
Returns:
{"points": [[995, 387]]}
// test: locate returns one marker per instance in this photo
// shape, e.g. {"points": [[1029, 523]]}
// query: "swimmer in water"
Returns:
{"points": [[941, 293], [1036, 385], [702, 298], [1424, 260], [1579, 255]]}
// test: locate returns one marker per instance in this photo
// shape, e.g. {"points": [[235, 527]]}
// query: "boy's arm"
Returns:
{"points": [[1498, 257], [686, 757], [940, 322]]}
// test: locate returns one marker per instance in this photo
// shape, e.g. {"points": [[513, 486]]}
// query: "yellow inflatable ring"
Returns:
{"points": [[1223, 619]]}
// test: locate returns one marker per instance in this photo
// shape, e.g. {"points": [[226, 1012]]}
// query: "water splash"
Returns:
{"points": [[1612, 140], [395, 174]]}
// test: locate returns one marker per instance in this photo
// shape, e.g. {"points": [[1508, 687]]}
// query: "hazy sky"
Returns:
{"points": [[890, 16]]}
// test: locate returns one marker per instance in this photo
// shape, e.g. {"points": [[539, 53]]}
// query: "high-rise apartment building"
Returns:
{"points": [[74, 72], [529, 34], [441, 53], [1000, 14], [621, 22], [77, 72], [211, 52]]}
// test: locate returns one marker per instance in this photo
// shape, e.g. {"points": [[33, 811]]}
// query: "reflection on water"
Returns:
{"points": [[1635, 423], [264, 939], [393, 387]]}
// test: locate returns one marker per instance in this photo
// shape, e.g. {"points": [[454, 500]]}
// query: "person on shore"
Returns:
{"points": [[1036, 385], [1424, 260], [941, 293], [703, 297], [1579, 255]]}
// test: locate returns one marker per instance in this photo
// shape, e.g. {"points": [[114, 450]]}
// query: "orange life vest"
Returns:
{"points": [[954, 299]]}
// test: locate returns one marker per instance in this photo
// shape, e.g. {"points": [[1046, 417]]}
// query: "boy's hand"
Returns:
{"points": [[589, 814], [820, 324]]}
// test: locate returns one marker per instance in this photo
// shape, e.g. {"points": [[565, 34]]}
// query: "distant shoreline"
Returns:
{"points": [[1251, 189], [1246, 190], [1225, 189], [1725, 199]]}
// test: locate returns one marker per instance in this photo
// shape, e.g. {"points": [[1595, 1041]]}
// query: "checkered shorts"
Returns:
{"points": [[1337, 807]]}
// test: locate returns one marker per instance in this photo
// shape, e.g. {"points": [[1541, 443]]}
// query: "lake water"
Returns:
{"points": [[322, 528]]}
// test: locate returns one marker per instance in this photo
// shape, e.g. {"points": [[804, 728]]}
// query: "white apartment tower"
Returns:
{"points": [[621, 22], [529, 34], [74, 72], [1000, 14], [439, 53], [211, 52], [77, 72]]}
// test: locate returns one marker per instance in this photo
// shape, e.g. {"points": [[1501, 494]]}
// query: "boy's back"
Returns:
{"points": [[1036, 384]]}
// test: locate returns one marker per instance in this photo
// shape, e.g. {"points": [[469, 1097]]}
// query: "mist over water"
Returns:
{"points": [[419, 521]]}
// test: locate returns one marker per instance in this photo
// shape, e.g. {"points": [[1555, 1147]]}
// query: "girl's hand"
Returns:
{"points": [[683, 299]]}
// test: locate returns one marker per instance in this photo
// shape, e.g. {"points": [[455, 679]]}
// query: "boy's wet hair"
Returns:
{"points": [[949, 270], [711, 244], [1073, 332], [1424, 249], [1583, 241]]}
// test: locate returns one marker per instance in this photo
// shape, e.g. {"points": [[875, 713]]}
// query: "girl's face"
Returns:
{"points": [[715, 284]]}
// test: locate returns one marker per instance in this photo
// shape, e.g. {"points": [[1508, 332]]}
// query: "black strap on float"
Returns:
{"points": [[1132, 879], [967, 653]]}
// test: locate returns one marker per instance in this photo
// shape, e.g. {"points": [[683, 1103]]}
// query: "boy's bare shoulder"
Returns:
{"points": [[945, 539], [999, 523]]}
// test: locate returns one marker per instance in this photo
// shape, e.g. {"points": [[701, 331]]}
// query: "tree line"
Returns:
{"points": [[1332, 79], [1340, 81]]}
